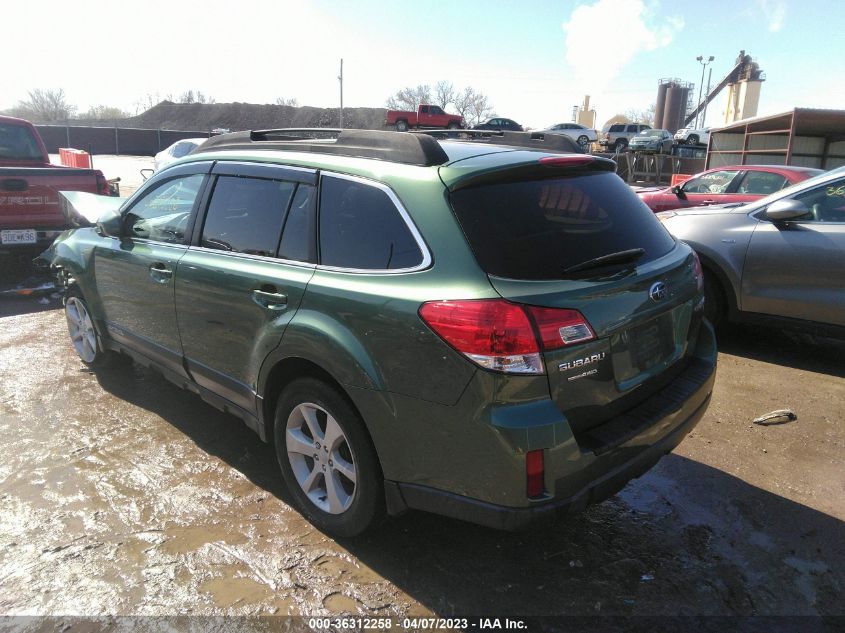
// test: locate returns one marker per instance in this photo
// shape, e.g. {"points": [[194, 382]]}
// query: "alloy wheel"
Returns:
{"points": [[321, 458], [81, 329]]}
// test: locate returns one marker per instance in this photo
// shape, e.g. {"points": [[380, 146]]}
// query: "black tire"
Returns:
{"points": [[88, 346], [366, 507], [714, 299], [402, 126], [583, 141], [620, 145], [453, 126], [692, 139]]}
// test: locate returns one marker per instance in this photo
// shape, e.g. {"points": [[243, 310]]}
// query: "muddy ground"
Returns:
{"points": [[121, 494]]}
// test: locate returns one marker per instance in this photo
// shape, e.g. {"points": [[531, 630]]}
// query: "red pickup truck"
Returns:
{"points": [[430, 116], [30, 216]]}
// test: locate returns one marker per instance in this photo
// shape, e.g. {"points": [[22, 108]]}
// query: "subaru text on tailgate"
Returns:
{"points": [[490, 330]]}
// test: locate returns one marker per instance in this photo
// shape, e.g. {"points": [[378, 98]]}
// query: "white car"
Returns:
{"points": [[176, 151], [578, 133], [693, 136]]}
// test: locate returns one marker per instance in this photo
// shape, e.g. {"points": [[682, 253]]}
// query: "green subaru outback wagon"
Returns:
{"points": [[487, 329]]}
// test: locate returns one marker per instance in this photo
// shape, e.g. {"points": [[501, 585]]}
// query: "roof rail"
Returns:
{"points": [[541, 141], [409, 149]]}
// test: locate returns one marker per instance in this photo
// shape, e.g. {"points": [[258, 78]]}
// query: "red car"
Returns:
{"points": [[720, 185]]}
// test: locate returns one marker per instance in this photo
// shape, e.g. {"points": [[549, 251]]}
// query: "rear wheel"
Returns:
{"points": [[692, 139], [583, 141], [402, 126], [620, 145], [83, 335], [327, 458]]}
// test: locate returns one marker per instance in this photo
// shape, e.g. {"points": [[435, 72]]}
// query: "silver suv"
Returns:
{"points": [[617, 136]]}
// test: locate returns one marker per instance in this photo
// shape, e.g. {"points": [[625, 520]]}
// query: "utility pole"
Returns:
{"points": [[340, 79], [700, 59], [704, 115]]}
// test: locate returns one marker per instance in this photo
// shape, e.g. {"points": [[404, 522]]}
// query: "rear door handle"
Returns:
{"points": [[160, 273], [270, 300]]}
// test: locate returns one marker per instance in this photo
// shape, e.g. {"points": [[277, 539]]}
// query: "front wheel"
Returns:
{"points": [[692, 139], [327, 458], [454, 126], [83, 335], [714, 300]]}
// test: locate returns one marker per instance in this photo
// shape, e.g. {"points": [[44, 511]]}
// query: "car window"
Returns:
{"points": [[826, 203], [424, 109], [245, 215], [761, 183], [537, 229], [713, 182], [162, 214], [183, 149], [361, 228], [17, 142], [436, 110], [299, 235], [633, 128], [617, 128]]}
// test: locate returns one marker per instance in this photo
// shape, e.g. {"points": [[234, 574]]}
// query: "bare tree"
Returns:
{"points": [[102, 112], [44, 106], [288, 102], [641, 116], [444, 93], [463, 101], [410, 98], [480, 109]]}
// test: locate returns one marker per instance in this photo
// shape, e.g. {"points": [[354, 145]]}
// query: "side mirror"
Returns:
{"points": [[110, 224], [679, 192], [784, 210]]}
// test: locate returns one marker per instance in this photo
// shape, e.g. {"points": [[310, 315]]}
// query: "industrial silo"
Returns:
{"points": [[675, 108], [659, 108]]}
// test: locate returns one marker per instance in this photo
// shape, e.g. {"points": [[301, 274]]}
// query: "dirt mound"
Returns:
{"points": [[250, 116]]}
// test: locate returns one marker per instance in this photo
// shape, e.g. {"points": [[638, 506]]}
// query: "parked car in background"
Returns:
{"points": [[178, 150], [720, 185], [617, 136], [426, 116], [498, 123], [778, 260], [652, 142], [490, 331], [577, 132], [693, 136], [30, 215]]}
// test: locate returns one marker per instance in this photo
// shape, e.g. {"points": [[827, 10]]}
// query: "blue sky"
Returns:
{"points": [[535, 59]]}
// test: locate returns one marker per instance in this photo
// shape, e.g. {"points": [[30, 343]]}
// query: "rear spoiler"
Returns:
{"points": [[82, 209]]}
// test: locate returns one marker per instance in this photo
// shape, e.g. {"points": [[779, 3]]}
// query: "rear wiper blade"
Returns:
{"points": [[622, 257]]}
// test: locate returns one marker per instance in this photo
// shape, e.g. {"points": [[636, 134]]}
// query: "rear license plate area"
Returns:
{"points": [[652, 342], [18, 236]]}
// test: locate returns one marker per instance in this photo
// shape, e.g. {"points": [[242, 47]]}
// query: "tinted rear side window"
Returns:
{"points": [[617, 128], [537, 229], [360, 227], [299, 236], [17, 142], [246, 214]]}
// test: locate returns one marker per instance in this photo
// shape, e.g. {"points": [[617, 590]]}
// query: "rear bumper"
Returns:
{"points": [[608, 457], [402, 496]]}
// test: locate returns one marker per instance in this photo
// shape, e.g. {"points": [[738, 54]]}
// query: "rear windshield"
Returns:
{"points": [[537, 229], [17, 142]]}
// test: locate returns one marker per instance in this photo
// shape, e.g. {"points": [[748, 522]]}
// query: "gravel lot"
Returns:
{"points": [[121, 494]]}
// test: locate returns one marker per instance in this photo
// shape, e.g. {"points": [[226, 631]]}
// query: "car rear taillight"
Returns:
{"points": [[102, 185], [534, 473], [559, 328], [503, 336], [698, 271]]}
